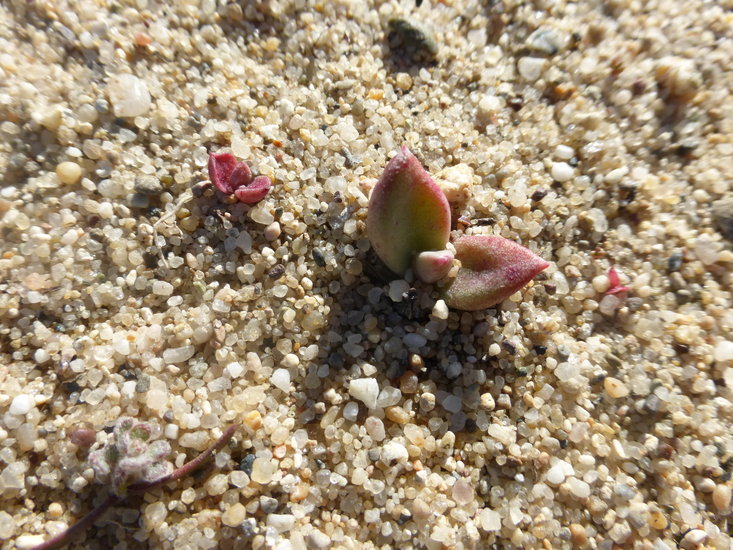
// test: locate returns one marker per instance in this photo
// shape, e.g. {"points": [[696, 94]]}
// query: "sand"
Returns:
{"points": [[369, 415]]}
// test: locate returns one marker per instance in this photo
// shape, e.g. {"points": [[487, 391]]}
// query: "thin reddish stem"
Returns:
{"points": [[143, 486], [65, 537]]}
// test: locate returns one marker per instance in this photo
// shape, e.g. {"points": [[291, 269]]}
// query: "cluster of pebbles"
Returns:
{"points": [[596, 133]]}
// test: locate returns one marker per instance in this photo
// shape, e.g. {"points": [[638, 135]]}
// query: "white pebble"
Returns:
{"points": [[318, 539], [394, 451], [272, 231], [178, 355], [489, 104], [129, 95], [281, 379], [397, 289], [375, 428], [24, 542], [693, 539], [281, 522], [530, 67], [561, 171], [555, 475], [7, 525], [579, 488], [351, 411], [724, 351], [21, 404], [563, 152], [162, 288], [262, 470], [615, 176], [68, 172], [235, 369], [490, 520], [347, 131], [365, 390], [440, 310]]}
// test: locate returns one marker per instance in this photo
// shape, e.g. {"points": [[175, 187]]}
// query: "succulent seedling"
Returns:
{"points": [[133, 456], [134, 461], [615, 286], [235, 178], [408, 224], [408, 214]]}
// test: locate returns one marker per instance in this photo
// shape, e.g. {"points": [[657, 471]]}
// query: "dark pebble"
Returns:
{"points": [[318, 258], [276, 272], [246, 464], [268, 505]]}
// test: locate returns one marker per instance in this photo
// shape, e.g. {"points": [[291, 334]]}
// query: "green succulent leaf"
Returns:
{"points": [[408, 213]]}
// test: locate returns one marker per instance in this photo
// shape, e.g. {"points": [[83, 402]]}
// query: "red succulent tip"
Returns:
{"points": [[232, 177], [616, 286]]}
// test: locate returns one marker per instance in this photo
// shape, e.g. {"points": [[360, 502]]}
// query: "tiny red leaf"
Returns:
{"points": [[255, 191], [221, 166]]}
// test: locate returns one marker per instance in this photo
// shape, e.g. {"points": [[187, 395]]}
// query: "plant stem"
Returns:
{"points": [[188, 468], [65, 537]]}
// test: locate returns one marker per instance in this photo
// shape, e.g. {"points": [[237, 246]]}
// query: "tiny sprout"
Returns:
{"points": [[615, 286], [132, 456], [235, 178], [408, 224]]}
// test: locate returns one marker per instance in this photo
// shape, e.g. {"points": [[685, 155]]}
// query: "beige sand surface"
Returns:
{"points": [[598, 134]]}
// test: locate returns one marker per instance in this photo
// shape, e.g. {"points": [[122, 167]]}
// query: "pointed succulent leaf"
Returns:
{"points": [[492, 269], [111, 454], [408, 213], [221, 167], [432, 265], [255, 191]]}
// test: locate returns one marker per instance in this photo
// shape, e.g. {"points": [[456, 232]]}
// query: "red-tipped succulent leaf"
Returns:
{"points": [[492, 269], [232, 177], [408, 213]]}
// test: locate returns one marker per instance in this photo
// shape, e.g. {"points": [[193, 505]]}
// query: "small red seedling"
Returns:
{"points": [[235, 178]]}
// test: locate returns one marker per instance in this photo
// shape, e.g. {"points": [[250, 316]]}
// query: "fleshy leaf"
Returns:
{"points": [[492, 269], [159, 449], [241, 176], [432, 265], [221, 167], [255, 191], [408, 213]]}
